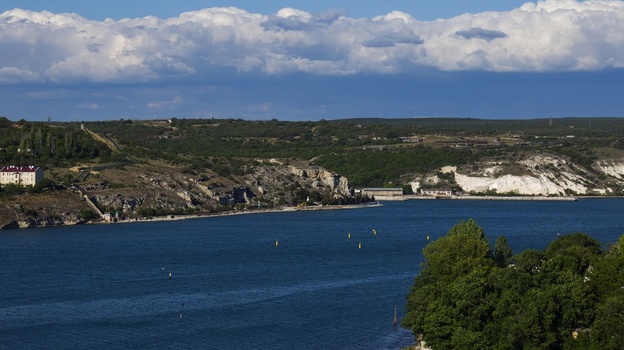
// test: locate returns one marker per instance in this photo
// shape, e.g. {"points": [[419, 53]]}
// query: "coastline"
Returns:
{"points": [[354, 206], [492, 198], [236, 212], [516, 198], [101, 221]]}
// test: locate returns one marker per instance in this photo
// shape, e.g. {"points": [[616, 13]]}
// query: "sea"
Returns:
{"points": [[324, 279]]}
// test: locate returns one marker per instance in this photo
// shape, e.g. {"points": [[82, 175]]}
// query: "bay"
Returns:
{"points": [[233, 287]]}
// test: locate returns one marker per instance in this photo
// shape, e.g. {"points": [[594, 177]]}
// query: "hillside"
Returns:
{"points": [[149, 189], [140, 169]]}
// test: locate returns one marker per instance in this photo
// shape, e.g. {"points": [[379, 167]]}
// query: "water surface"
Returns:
{"points": [[232, 287]]}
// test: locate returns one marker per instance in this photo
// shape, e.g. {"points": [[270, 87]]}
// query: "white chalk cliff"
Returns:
{"points": [[539, 175]]}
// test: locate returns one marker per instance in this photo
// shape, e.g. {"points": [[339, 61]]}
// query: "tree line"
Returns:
{"points": [[369, 152], [43, 144], [469, 296]]}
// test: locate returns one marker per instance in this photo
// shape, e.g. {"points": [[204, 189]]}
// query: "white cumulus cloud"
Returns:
{"points": [[543, 36]]}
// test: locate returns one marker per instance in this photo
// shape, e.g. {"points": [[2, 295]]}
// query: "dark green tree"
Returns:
{"points": [[608, 329], [502, 252], [429, 307], [607, 278], [467, 298]]}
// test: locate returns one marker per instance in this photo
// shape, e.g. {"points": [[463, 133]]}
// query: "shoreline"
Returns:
{"points": [[237, 212], [353, 206], [377, 203], [492, 198], [517, 198]]}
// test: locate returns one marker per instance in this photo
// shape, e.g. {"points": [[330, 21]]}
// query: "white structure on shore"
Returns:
{"points": [[384, 193], [29, 175], [436, 192]]}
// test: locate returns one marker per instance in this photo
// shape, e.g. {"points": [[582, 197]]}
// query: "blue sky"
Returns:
{"points": [[303, 60], [117, 9]]}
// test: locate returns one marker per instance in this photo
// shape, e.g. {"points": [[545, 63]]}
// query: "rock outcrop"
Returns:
{"points": [[321, 178], [275, 182], [30, 222], [536, 175], [143, 190], [614, 168]]}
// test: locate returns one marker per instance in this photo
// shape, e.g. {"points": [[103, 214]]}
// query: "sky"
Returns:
{"points": [[71, 60]]}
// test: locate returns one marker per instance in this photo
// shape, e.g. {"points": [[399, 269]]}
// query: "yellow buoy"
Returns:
{"points": [[374, 232], [360, 245], [276, 242], [349, 235]]}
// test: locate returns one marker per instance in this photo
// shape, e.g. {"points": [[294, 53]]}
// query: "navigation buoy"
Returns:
{"points": [[395, 317], [374, 232], [170, 275], [349, 235], [427, 237], [360, 245], [276, 242]]}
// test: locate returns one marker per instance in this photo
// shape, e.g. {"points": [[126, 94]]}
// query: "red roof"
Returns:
{"points": [[19, 169]]}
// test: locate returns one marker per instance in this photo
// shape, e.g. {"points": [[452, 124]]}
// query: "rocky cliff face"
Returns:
{"points": [[62, 207], [275, 182], [322, 179], [270, 183], [613, 168], [538, 175], [145, 190]]}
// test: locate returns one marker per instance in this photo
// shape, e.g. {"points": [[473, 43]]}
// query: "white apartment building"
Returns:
{"points": [[28, 175]]}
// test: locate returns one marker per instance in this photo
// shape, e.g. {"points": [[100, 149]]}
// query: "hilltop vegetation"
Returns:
{"points": [[369, 152], [207, 165], [48, 144]]}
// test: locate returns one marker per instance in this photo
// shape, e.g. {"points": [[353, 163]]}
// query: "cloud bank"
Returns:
{"points": [[547, 36]]}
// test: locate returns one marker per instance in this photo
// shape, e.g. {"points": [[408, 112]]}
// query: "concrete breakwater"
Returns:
{"points": [[516, 198], [492, 198]]}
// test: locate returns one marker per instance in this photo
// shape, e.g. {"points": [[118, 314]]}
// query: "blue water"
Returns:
{"points": [[107, 286]]}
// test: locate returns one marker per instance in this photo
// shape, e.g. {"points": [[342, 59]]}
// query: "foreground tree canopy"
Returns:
{"points": [[468, 296]]}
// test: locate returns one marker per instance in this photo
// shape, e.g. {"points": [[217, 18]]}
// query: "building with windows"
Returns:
{"points": [[436, 192], [29, 175], [383, 193]]}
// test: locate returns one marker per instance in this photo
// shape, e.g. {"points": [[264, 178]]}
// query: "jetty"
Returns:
{"points": [[468, 197]]}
